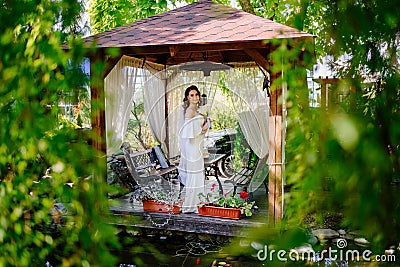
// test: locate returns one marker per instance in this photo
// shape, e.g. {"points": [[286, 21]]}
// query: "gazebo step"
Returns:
{"points": [[191, 223]]}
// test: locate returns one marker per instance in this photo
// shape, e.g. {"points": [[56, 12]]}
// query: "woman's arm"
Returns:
{"points": [[205, 127]]}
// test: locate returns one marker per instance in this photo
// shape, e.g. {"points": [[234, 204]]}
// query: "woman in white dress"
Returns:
{"points": [[191, 139]]}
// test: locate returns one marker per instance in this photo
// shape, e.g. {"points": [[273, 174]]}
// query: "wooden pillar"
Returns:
{"points": [[98, 103], [275, 192], [276, 137], [275, 154], [98, 118]]}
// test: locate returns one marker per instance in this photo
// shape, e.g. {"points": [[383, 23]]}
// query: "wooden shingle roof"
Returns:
{"points": [[203, 30]]}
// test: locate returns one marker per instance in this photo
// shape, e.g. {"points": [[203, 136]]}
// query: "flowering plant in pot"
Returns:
{"points": [[156, 198], [228, 201]]}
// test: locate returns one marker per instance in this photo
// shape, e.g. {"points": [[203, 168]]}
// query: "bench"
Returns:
{"points": [[145, 163], [142, 162], [243, 177], [163, 165], [119, 167]]}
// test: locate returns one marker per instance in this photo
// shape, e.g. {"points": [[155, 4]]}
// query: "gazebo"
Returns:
{"points": [[202, 31]]}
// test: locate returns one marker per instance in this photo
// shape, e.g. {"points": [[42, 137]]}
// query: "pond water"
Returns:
{"points": [[177, 249], [158, 248], [171, 249]]}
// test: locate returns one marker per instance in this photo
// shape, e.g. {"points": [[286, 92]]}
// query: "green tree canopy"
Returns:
{"points": [[348, 162], [34, 70], [108, 14]]}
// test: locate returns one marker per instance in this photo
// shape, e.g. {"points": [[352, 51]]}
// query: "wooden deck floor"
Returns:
{"points": [[132, 215]]}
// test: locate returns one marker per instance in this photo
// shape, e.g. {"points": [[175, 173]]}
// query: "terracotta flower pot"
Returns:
{"points": [[221, 212], [155, 206]]}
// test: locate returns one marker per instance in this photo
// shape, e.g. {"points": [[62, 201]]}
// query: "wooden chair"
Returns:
{"points": [[163, 166], [243, 176], [119, 166], [142, 168]]}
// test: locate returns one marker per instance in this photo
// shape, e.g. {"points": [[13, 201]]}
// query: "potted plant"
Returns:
{"points": [[226, 206], [155, 199]]}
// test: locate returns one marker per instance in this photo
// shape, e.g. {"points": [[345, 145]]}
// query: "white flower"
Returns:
{"points": [[204, 110]]}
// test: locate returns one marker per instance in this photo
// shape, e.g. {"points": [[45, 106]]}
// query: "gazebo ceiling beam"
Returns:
{"points": [[189, 57], [110, 64], [222, 56], [172, 49], [220, 46], [177, 54], [258, 58]]}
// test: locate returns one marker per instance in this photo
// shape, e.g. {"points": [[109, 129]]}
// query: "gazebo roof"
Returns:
{"points": [[200, 31]]}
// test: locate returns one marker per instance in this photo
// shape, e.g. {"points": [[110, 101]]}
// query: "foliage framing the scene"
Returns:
{"points": [[34, 71], [108, 14], [348, 157], [348, 162]]}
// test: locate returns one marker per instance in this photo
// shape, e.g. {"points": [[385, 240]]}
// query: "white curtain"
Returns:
{"points": [[163, 95], [251, 105], [120, 85], [154, 106], [165, 91]]}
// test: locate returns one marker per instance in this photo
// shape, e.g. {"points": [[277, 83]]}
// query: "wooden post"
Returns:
{"points": [[275, 154], [276, 142], [98, 102], [98, 118]]}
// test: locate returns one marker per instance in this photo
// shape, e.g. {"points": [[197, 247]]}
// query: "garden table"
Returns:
{"points": [[212, 169]]}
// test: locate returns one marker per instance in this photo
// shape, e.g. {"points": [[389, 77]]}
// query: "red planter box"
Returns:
{"points": [[155, 206], [227, 213]]}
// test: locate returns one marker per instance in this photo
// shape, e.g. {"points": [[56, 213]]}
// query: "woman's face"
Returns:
{"points": [[193, 97]]}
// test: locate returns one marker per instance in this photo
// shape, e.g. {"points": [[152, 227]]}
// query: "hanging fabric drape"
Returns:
{"points": [[167, 91], [120, 85], [253, 111], [258, 125], [163, 94], [155, 108]]}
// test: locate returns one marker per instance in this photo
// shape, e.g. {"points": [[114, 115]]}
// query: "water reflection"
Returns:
{"points": [[158, 248]]}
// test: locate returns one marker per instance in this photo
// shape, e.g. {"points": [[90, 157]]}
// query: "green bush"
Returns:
{"points": [[223, 118], [32, 76]]}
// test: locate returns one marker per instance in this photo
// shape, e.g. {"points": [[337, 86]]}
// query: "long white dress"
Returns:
{"points": [[191, 164]]}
